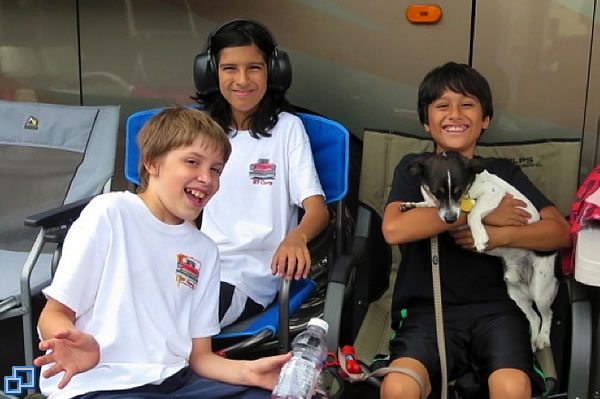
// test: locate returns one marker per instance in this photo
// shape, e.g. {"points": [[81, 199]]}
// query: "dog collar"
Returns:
{"points": [[466, 204]]}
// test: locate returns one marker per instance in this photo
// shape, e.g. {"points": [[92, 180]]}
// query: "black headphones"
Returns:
{"points": [[279, 69]]}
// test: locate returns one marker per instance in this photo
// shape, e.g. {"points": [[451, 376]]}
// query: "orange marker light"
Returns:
{"points": [[423, 14]]}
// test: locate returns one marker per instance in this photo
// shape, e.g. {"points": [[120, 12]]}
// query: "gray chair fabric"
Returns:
{"points": [[50, 156]]}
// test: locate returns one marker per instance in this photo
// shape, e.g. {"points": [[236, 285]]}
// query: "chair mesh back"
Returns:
{"points": [[33, 179], [40, 150]]}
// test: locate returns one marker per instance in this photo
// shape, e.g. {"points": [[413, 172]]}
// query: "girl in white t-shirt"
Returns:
{"points": [[241, 79]]}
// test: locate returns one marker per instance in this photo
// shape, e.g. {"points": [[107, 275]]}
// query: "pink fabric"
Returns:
{"points": [[586, 207]]}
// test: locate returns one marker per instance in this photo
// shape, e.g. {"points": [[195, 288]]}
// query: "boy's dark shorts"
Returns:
{"points": [[481, 338]]}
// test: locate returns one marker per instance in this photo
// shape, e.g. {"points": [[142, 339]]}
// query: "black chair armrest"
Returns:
{"points": [[340, 275], [56, 222], [343, 266], [63, 215]]}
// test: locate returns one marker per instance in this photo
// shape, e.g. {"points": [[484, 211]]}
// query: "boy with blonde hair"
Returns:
{"points": [[134, 301]]}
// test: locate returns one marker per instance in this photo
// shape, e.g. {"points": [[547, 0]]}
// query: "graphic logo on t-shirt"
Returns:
{"points": [[262, 172], [187, 271]]}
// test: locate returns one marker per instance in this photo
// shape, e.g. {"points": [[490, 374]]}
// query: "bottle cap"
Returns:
{"points": [[315, 321]]}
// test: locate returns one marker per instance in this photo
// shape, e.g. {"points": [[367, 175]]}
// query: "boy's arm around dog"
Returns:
{"points": [[416, 224], [548, 234]]}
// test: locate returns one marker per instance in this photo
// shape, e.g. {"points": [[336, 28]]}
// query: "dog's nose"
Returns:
{"points": [[450, 218]]}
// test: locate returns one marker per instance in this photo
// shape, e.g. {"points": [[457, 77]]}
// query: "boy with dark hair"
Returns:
{"points": [[484, 328], [134, 301]]}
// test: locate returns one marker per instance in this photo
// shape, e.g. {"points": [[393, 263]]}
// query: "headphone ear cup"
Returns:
{"points": [[205, 76], [280, 71]]}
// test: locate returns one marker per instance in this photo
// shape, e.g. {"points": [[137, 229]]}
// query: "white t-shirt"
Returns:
{"points": [[262, 187], [141, 287]]}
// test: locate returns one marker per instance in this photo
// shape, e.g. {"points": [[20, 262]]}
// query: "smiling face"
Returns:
{"points": [[242, 81], [455, 121], [182, 181]]}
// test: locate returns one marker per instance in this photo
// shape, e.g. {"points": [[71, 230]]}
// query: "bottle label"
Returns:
{"points": [[297, 378]]}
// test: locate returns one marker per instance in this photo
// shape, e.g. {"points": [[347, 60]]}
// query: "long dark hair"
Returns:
{"points": [[245, 33]]}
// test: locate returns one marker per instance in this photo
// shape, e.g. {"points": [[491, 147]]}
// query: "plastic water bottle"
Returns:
{"points": [[300, 374]]}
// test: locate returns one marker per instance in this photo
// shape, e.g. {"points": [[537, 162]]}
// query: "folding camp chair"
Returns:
{"points": [[51, 156], [330, 143]]}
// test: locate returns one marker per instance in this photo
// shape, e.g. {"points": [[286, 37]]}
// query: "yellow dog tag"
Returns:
{"points": [[466, 204]]}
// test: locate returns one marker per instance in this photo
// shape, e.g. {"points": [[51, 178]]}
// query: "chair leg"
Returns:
{"points": [[26, 307]]}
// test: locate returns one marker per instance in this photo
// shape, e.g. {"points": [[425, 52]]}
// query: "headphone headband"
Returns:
{"points": [[279, 69]]}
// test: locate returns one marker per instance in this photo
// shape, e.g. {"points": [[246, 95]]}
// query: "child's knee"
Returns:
{"points": [[509, 384], [398, 385]]}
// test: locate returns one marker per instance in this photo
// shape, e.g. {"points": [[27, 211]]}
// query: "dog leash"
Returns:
{"points": [[437, 297], [439, 318], [380, 372]]}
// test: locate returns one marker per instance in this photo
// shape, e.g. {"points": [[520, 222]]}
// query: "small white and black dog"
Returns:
{"points": [[451, 182]]}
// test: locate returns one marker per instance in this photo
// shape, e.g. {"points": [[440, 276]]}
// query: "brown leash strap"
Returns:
{"points": [[381, 372], [439, 319], [437, 300]]}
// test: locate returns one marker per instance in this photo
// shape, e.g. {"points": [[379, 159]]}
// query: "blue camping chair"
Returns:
{"points": [[330, 146]]}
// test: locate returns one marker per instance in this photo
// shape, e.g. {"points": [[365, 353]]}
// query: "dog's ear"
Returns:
{"points": [[417, 167]]}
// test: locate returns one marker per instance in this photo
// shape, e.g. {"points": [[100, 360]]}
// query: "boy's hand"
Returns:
{"points": [[510, 212], [292, 258], [72, 351], [264, 372], [464, 238]]}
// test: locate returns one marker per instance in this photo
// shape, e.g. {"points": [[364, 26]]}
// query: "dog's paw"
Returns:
{"points": [[480, 241], [405, 206], [512, 276], [534, 344], [480, 247], [542, 340]]}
